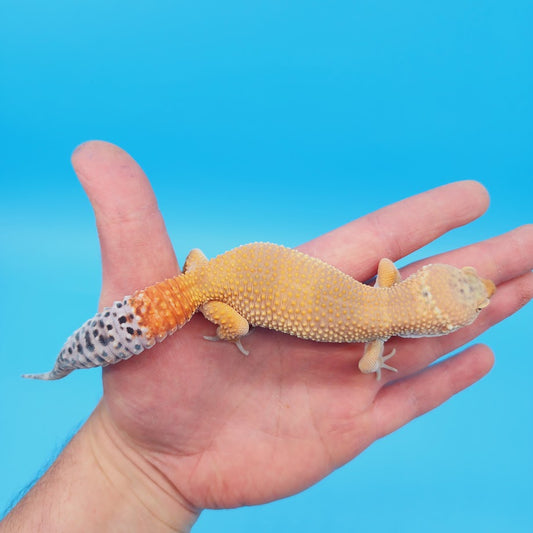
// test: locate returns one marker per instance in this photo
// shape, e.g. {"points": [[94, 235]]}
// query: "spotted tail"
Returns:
{"points": [[127, 328]]}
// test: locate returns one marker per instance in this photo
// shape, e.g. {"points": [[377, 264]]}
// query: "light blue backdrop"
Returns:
{"points": [[273, 121]]}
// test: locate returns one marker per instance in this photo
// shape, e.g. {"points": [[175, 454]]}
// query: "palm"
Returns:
{"points": [[229, 430], [210, 411]]}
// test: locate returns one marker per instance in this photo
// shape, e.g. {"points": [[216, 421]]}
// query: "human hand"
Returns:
{"points": [[225, 430]]}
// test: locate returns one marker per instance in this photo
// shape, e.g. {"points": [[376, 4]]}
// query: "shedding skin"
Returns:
{"points": [[279, 288]]}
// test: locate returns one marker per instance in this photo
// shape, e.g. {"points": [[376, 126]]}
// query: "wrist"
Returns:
{"points": [[144, 490], [101, 483]]}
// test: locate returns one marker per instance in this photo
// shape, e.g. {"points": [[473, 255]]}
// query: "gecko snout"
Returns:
{"points": [[489, 286], [490, 289], [485, 287]]}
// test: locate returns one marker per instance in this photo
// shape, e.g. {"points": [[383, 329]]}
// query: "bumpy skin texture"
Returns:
{"points": [[279, 288]]}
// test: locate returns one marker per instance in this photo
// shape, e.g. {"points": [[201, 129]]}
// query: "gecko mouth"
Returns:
{"points": [[490, 289]]}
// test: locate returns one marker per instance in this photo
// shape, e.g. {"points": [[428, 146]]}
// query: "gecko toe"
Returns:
{"points": [[237, 343]]}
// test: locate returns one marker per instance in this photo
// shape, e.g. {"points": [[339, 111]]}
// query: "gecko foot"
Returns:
{"points": [[237, 343], [382, 364], [373, 359]]}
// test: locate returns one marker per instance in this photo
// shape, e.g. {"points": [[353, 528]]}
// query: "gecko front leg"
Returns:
{"points": [[373, 359]]}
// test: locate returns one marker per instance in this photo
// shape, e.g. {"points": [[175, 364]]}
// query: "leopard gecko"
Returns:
{"points": [[279, 288]]}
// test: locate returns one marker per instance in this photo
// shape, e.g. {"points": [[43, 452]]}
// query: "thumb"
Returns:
{"points": [[135, 247]]}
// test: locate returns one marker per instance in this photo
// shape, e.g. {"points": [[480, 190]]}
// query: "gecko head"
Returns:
{"points": [[481, 289], [457, 295]]}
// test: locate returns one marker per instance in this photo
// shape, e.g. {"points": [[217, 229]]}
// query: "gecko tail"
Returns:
{"points": [[48, 376], [122, 330], [111, 336]]}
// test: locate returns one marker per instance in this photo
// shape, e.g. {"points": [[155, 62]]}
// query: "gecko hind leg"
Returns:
{"points": [[373, 359], [231, 325], [195, 258]]}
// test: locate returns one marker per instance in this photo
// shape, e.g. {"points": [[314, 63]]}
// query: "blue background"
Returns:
{"points": [[273, 121]]}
